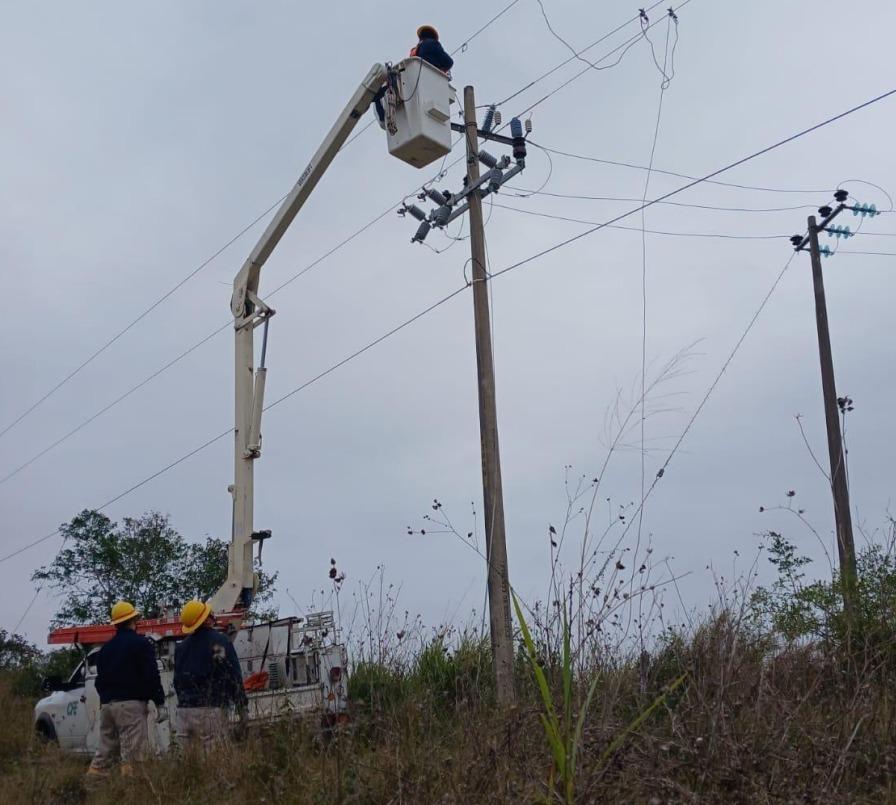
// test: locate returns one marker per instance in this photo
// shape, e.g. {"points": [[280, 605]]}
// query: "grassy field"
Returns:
{"points": [[754, 721], [774, 695]]}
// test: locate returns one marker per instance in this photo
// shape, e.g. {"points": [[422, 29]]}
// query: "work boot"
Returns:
{"points": [[95, 776]]}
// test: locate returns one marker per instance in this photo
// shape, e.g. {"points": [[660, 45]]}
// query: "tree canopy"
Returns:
{"points": [[143, 560]]}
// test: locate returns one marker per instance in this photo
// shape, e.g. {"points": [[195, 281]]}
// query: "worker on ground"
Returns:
{"points": [[430, 50], [207, 679], [127, 680]]}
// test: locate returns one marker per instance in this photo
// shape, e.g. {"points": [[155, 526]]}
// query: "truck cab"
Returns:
{"points": [[68, 715]]}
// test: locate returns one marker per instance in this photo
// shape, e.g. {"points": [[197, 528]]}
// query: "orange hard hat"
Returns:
{"points": [[427, 31]]}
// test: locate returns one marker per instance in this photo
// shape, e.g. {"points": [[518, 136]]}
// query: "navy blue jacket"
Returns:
{"points": [[431, 50], [126, 669], [207, 672]]}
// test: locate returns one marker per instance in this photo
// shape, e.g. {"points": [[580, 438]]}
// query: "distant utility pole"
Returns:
{"points": [[840, 490], [492, 491]]}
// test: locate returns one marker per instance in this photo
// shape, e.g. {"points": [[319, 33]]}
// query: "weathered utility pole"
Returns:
{"points": [[846, 548], [839, 488], [449, 207], [492, 492]]}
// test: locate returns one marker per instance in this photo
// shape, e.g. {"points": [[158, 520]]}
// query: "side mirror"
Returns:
{"points": [[51, 683]]}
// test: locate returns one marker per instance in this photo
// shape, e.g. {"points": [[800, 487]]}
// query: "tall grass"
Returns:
{"points": [[755, 701], [756, 721]]}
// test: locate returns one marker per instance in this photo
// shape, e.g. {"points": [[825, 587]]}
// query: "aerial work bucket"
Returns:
{"points": [[420, 130]]}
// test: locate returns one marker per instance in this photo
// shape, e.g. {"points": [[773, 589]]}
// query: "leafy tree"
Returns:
{"points": [[23, 665], [144, 561], [16, 652], [805, 610]]}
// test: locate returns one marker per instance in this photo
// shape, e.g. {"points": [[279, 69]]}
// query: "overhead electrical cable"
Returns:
{"points": [[189, 350], [700, 407], [664, 85], [677, 175], [624, 48], [93, 356], [225, 326], [722, 235], [209, 442], [506, 270], [523, 193], [578, 53], [466, 43], [695, 182]]}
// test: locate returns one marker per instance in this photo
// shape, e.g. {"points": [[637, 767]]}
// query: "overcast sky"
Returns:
{"points": [[138, 140]]}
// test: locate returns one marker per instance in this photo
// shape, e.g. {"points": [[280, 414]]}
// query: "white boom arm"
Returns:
{"points": [[248, 312]]}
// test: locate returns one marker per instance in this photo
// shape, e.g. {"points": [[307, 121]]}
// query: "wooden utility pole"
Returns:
{"points": [[839, 488], [492, 491]]}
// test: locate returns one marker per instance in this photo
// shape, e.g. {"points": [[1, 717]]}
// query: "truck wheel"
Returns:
{"points": [[45, 730]]}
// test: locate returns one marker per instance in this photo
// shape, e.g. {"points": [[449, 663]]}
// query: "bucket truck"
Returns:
{"points": [[294, 665]]}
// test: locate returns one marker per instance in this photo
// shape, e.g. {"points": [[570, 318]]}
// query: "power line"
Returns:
{"points": [[187, 351], [463, 47], [121, 398], [712, 387], [695, 182], [209, 442], [664, 85], [624, 48], [594, 65], [870, 184], [366, 347], [202, 265], [575, 77], [619, 164], [509, 268], [714, 207], [15, 628], [223, 327], [93, 356], [724, 235], [578, 75], [562, 64]]}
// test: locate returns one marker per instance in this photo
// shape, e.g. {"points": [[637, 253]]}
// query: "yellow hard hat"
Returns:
{"points": [[193, 615], [427, 29], [123, 611]]}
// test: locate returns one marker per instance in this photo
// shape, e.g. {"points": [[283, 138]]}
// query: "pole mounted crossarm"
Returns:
{"points": [[827, 215], [452, 206], [249, 312], [483, 134]]}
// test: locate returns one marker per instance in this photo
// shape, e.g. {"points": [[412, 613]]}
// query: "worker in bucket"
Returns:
{"points": [[207, 679], [127, 680], [428, 49]]}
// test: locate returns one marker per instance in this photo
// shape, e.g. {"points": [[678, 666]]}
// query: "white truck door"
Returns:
{"points": [[70, 713]]}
